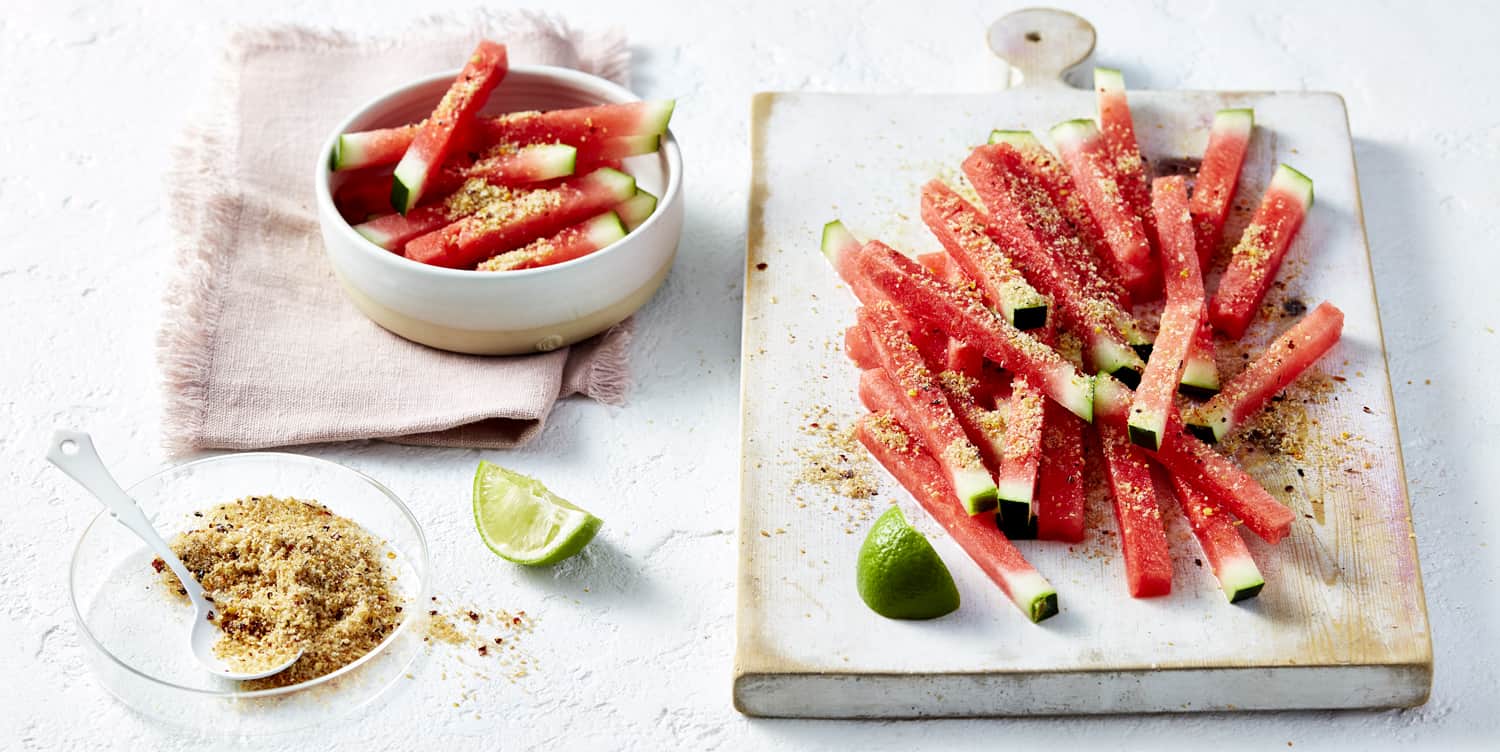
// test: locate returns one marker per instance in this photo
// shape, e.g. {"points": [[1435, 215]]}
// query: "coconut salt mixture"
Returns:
{"points": [[286, 575]]}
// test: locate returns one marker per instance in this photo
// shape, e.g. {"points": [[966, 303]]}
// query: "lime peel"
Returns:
{"points": [[900, 575]]}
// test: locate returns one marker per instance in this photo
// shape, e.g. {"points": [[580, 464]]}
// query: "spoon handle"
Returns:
{"points": [[73, 452]]}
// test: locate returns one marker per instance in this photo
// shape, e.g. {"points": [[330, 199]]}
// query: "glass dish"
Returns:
{"points": [[134, 634]]}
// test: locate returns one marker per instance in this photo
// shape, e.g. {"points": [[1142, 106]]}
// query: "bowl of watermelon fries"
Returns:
{"points": [[500, 209]]}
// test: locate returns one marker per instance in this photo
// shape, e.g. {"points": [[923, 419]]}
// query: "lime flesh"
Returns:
{"points": [[900, 575], [523, 522]]}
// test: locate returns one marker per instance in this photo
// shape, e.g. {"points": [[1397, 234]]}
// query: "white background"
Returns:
{"points": [[634, 640]]}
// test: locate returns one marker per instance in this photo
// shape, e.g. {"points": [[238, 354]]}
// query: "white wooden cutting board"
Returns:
{"points": [[1342, 621]]}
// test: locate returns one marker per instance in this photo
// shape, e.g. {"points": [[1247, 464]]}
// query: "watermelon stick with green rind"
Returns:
{"points": [[1222, 546], [1143, 539], [1180, 320], [924, 396], [1060, 478], [1085, 256], [1218, 177], [960, 229], [900, 451], [926, 298], [574, 242], [524, 217], [582, 127], [1024, 219], [635, 210], [1257, 256], [1083, 151], [603, 153], [1296, 350], [1118, 129], [466, 190], [1017, 480], [442, 133], [984, 428], [1217, 476]]}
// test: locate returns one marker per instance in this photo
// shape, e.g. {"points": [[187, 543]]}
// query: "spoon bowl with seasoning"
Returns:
{"points": [[73, 452]]}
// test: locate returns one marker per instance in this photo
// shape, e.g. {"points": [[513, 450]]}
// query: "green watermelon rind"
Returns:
{"points": [[1109, 79]]}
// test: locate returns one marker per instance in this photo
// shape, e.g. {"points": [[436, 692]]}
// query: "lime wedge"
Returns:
{"points": [[523, 522], [900, 575]]}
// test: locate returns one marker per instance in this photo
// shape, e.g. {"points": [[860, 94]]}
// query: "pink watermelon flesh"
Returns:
{"points": [[899, 450], [981, 426], [1183, 279], [1118, 128], [929, 300], [961, 229], [1258, 255], [1060, 479], [571, 243], [582, 127], [1180, 321], [1154, 397], [526, 216], [925, 397], [1087, 158], [1016, 483], [1084, 257], [1222, 546], [466, 190], [1296, 350], [1215, 475], [443, 131], [1218, 177], [1025, 220], [936, 262], [1143, 539], [859, 348]]}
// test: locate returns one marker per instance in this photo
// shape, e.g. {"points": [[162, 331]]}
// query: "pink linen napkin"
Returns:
{"points": [[258, 346]]}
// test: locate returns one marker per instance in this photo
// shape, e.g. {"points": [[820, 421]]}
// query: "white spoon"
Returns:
{"points": [[73, 452]]}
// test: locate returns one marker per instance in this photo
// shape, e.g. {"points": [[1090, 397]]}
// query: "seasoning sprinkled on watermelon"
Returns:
{"points": [[1143, 539], [925, 398], [926, 298], [574, 242], [445, 128], [582, 127], [960, 228], [526, 216], [1085, 256], [1060, 479], [1227, 554], [1218, 177], [1296, 350], [1083, 150], [1258, 255], [1181, 319], [1024, 218], [1118, 128]]}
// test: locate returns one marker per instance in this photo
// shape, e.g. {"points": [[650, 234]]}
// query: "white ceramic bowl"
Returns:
{"points": [[505, 313]]}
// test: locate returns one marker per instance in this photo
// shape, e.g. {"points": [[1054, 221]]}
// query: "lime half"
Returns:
{"points": [[900, 575], [523, 522]]}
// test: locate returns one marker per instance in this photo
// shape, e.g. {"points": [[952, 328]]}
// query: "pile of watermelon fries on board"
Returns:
{"points": [[989, 367], [513, 191]]}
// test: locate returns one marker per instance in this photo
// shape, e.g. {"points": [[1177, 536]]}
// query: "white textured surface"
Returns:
{"points": [[93, 97]]}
